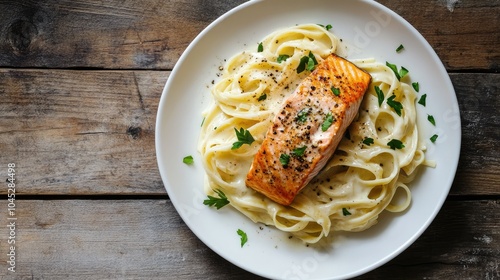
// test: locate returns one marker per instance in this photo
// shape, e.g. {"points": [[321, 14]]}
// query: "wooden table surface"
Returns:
{"points": [[80, 83]]}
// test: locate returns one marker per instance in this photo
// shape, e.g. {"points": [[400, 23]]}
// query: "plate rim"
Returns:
{"points": [[205, 31]]}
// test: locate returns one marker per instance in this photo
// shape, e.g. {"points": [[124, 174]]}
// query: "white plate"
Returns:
{"points": [[371, 30]]}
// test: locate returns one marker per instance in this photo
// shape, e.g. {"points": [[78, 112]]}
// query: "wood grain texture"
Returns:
{"points": [[149, 34], [81, 132], [464, 34], [146, 239], [92, 132], [479, 164], [152, 34]]}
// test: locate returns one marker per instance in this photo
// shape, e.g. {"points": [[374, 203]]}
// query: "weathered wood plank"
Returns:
{"points": [[146, 239], [479, 165], [152, 34], [148, 34], [463, 235], [92, 132], [81, 132], [72, 239], [454, 29]]}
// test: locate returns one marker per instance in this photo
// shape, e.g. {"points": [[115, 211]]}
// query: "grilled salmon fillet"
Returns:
{"points": [[307, 129]]}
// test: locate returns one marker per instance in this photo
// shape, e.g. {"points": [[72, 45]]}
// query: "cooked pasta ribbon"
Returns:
{"points": [[359, 181]]}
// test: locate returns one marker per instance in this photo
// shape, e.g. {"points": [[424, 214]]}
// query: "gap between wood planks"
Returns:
{"points": [[93, 197], [89, 68], [165, 196]]}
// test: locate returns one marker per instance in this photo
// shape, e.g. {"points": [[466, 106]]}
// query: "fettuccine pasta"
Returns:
{"points": [[379, 154]]}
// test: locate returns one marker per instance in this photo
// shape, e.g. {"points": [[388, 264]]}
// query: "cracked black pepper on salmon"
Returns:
{"points": [[307, 129]]}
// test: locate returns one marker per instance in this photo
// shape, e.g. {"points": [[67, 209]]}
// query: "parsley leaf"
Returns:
{"points": [[310, 65], [262, 97], [313, 58], [302, 115], [302, 64], [403, 71], [327, 27], [298, 152], [422, 99], [217, 202], [282, 57], [284, 159], [434, 138], [335, 91], [368, 141], [260, 48], [394, 69], [400, 48], [243, 237], [345, 212], [395, 104], [308, 62], [327, 122], [188, 160], [244, 137], [430, 118], [415, 86], [395, 144], [380, 95], [399, 74]]}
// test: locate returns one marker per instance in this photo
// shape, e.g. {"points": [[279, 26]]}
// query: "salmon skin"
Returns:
{"points": [[307, 129]]}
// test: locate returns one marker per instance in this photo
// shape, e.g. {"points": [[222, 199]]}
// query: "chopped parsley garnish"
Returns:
{"points": [[399, 74], [395, 104], [298, 152], [400, 48], [244, 137], [302, 115], [335, 91], [308, 62], [282, 57], [434, 138], [380, 95], [217, 202], [262, 97], [327, 122], [415, 86], [327, 27], [403, 71], [260, 48], [394, 69], [310, 65], [284, 159], [395, 144], [368, 141], [302, 64], [345, 212], [313, 58], [421, 101], [188, 160], [202, 122], [243, 237], [430, 118]]}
